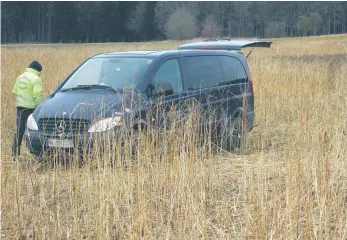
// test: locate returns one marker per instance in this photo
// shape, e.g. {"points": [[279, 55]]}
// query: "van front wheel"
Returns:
{"points": [[233, 134]]}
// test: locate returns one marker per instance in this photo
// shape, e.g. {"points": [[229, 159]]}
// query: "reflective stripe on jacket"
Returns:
{"points": [[28, 89]]}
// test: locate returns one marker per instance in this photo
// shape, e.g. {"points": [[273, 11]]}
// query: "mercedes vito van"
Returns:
{"points": [[95, 99]]}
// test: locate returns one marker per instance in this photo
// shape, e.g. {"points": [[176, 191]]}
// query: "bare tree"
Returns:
{"points": [[275, 29], [162, 10], [210, 28], [310, 23], [316, 22], [181, 25], [136, 17], [304, 25]]}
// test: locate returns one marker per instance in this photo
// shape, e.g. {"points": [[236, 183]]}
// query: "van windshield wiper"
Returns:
{"points": [[96, 86], [91, 86]]}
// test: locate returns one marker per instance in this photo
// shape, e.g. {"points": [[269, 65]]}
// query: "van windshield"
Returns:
{"points": [[118, 73]]}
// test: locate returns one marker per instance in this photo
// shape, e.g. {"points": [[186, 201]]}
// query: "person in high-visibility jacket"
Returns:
{"points": [[28, 90]]}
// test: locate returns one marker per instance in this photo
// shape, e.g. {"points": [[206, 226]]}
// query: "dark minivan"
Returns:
{"points": [[102, 93]]}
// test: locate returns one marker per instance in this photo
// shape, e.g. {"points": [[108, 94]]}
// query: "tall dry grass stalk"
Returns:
{"points": [[289, 182]]}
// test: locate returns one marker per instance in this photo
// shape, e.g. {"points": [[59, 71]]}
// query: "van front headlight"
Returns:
{"points": [[105, 124], [31, 123]]}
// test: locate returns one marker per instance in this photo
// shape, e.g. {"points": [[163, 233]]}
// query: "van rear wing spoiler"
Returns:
{"points": [[224, 45]]}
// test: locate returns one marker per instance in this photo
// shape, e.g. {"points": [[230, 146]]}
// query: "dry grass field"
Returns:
{"points": [[290, 182]]}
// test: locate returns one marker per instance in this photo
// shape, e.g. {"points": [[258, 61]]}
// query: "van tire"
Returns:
{"points": [[233, 134]]}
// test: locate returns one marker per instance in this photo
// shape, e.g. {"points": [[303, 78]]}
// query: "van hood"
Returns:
{"points": [[81, 104]]}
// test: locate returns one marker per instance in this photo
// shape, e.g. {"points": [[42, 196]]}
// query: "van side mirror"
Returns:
{"points": [[164, 88]]}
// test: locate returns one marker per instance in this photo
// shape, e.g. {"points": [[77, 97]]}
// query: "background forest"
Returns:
{"points": [[71, 22]]}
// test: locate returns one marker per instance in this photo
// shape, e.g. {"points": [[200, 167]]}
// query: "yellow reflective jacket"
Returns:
{"points": [[28, 89]]}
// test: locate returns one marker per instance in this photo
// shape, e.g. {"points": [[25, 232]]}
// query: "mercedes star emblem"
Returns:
{"points": [[61, 125]]}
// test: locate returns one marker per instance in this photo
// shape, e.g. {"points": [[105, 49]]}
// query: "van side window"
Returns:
{"points": [[169, 71], [233, 71], [204, 71]]}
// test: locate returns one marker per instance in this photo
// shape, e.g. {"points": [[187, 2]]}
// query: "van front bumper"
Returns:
{"points": [[38, 143]]}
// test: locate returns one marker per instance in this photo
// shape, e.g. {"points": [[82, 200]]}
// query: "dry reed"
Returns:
{"points": [[289, 183]]}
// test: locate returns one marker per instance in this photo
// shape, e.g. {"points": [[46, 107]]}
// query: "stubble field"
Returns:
{"points": [[290, 182]]}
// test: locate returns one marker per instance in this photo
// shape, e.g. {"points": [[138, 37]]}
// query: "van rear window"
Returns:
{"points": [[233, 71], [204, 71], [212, 71]]}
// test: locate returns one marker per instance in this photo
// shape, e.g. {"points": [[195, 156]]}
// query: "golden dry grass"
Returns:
{"points": [[289, 183]]}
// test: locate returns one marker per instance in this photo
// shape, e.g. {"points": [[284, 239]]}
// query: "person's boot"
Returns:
{"points": [[15, 156]]}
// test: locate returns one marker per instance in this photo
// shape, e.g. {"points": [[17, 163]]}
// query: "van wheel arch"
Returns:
{"points": [[233, 134], [238, 112], [141, 124]]}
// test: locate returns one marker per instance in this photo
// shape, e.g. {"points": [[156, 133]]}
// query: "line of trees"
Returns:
{"points": [[52, 22]]}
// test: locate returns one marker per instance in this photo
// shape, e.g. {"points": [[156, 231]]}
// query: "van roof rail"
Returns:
{"points": [[216, 39]]}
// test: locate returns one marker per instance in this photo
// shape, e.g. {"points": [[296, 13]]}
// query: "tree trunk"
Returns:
{"points": [[38, 34], [43, 28], [334, 17], [49, 28], [230, 19], [240, 18]]}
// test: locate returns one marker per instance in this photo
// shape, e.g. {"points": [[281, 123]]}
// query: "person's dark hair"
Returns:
{"points": [[36, 65]]}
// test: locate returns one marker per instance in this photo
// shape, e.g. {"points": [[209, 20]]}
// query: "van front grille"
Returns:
{"points": [[63, 126]]}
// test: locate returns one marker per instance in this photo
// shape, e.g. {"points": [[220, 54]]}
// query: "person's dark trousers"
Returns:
{"points": [[22, 117]]}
